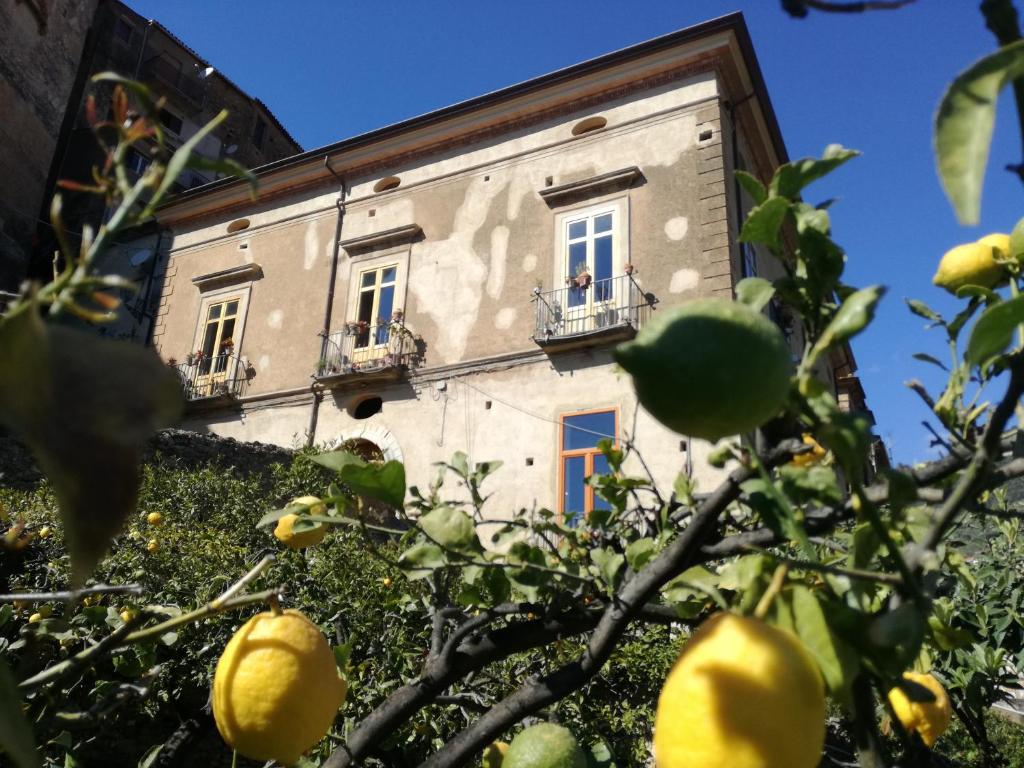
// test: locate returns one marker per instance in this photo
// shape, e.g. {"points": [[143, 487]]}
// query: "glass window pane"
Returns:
{"points": [[388, 275], [603, 223], [601, 468], [232, 308], [603, 257], [369, 279], [208, 339], [586, 429], [573, 489], [577, 229], [214, 312], [227, 335], [365, 316]]}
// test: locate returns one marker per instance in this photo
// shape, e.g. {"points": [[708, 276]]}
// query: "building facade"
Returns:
{"points": [[457, 281], [48, 53]]}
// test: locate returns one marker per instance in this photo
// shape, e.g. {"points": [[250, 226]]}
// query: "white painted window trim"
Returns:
{"points": [[399, 257], [216, 296], [619, 208]]}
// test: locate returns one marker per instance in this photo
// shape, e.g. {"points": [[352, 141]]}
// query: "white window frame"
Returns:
{"points": [[241, 291]]}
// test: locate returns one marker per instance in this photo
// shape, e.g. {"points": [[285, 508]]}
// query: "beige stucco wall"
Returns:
{"points": [[488, 240]]}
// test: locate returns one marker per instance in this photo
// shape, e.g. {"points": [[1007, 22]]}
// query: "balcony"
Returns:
{"points": [[360, 352], [172, 73], [590, 312], [212, 381]]}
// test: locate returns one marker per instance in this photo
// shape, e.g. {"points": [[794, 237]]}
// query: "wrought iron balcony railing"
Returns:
{"points": [[615, 307], [359, 348], [217, 377]]}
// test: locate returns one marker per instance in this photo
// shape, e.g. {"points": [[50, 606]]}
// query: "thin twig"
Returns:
{"points": [[73, 594]]}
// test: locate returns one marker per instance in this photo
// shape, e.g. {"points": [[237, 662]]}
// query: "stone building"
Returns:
{"points": [[457, 281], [48, 52]]}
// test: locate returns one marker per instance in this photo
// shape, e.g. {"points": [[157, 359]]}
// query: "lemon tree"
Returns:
{"points": [[811, 573]]}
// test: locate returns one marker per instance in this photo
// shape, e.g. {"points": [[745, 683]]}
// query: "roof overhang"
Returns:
{"points": [[721, 45]]}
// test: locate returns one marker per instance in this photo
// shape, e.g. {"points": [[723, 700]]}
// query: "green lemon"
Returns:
{"points": [[710, 368], [544, 745]]}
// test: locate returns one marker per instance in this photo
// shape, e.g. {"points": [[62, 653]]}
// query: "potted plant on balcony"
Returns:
{"points": [[628, 268], [583, 277], [398, 316], [351, 328]]}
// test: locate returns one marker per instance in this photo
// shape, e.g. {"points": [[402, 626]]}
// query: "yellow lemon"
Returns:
{"points": [[152, 546], [276, 689], [928, 719], [494, 755], [386, 581], [999, 241], [742, 694], [709, 368], [128, 615], [45, 532], [284, 533], [813, 456], [154, 518], [35, 618], [544, 745], [969, 264]]}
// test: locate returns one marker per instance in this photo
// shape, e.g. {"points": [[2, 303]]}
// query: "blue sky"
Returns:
{"points": [[330, 70]]}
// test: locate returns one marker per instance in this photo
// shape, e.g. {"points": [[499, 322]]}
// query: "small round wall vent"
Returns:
{"points": [[589, 124], [238, 225], [388, 182], [365, 407]]}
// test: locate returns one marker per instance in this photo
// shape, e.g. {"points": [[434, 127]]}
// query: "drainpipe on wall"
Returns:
{"points": [[318, 394], [147, 311]]}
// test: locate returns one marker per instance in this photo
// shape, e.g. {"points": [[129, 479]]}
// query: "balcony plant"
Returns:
{"points": [[583, 276]]}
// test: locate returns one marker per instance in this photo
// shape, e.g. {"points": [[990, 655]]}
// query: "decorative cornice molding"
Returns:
{"points": [[574, 191], [246, 273], [386, 239]]}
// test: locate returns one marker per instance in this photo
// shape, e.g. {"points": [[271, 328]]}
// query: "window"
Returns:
{"points": [[258, 132], [748, 256], [123, 30], [590, 250], [218, 341], [580, 458], [375, 305], [137, 162], [171, 122]]}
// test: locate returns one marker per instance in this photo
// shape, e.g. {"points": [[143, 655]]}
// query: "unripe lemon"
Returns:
{"points": [[152, 546], [284, 533], [494, 755], [742, 694], [813, 456], [544, 745], [969, 264], [276, 689], [710, 368], [45, 611], [45, 531], [928, 719], [154, 518]]}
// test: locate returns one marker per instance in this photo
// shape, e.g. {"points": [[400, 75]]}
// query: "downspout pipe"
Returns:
{"points": [[325, 332]]}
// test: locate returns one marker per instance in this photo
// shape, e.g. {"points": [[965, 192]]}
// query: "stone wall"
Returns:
{"points": [[187, 449]]}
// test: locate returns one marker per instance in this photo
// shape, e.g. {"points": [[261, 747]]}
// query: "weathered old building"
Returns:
{"points": [[48, 52], [457, 281]]}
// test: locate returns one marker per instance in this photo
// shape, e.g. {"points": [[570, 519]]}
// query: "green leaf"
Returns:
{"points": [[763, 222], [926, 358], [421, 559], [752, 186], [16, 737], [599, 755], [449, 527], [921, 309], [837, 662], [338, 460], [791, 178], [276, 514], [755, 292], [384, 482], [639, 552], [179, 162], [149, 759], [85, 406], [994, 331], [853, 316], [1017, 241], [963, 127], [609, 564]]}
